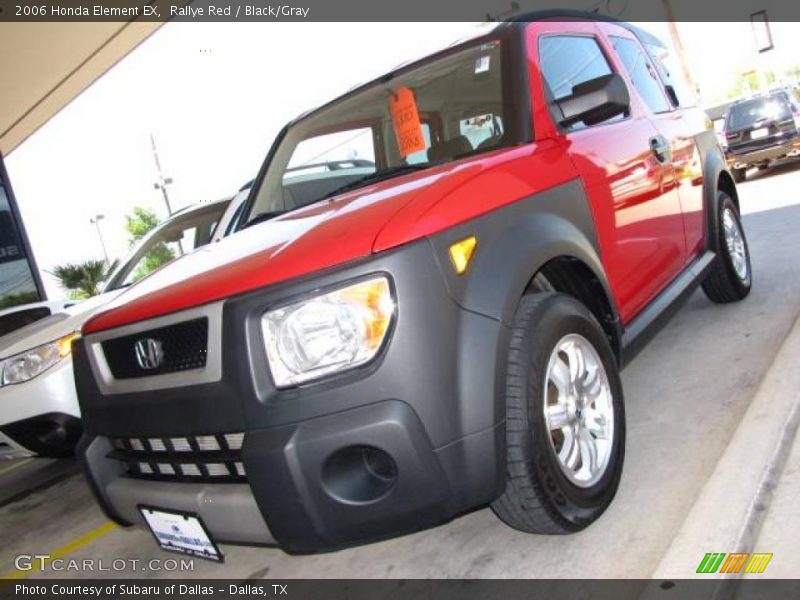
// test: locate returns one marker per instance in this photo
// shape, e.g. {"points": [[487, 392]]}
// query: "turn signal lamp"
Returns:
{"points": [[461, 253]]}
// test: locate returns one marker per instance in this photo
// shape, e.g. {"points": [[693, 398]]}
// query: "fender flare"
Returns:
{"points": [[515, 242], [715, 169]]}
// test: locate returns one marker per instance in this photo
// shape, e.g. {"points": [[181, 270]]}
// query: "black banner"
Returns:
{"points": [[402, 11], [399, 589]]}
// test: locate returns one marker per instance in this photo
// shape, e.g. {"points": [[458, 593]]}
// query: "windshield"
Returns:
{"points": [[750, 112], [176, 237], [444, 109]]}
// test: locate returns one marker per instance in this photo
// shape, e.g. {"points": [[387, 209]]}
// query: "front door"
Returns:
{"points": [[626, 168]]}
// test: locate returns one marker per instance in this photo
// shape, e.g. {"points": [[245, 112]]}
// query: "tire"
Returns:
{"points": [[739, 175], [728, 281], [540, 496]]}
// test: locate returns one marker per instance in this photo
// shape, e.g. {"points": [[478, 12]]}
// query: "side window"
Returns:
{"points": [[672, 75], [171, 242], [568, 60], [642, 73]]}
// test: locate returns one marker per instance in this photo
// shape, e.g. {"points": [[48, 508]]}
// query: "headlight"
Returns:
{"points": [[27, 365], [329, 333]]}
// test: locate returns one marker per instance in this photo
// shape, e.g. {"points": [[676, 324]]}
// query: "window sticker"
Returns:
{"points": [[482, 64], [407, 126]]}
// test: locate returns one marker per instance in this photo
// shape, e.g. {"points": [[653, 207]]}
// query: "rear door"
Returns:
{"points": [[632, 193], [677, 126]]}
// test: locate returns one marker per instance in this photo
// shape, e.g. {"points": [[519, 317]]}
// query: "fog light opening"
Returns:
{"points": [[50, 433], [359, 474]]}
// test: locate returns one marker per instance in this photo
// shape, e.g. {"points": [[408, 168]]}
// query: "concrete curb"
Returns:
{"points": [[730, 510]]}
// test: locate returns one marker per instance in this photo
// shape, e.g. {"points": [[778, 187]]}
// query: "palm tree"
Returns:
{"points": [[83, 280]]}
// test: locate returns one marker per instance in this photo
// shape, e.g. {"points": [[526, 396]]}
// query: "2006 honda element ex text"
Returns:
{"points": [[439, 277]]}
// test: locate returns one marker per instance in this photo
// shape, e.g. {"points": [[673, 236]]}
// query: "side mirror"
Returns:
{"points": [[595, 101]]}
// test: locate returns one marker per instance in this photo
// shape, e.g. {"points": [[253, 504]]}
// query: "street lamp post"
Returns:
{"points": [[162, 182], [96, 222]]}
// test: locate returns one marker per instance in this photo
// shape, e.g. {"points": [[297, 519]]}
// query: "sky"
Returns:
{"points": [[214, 95]]}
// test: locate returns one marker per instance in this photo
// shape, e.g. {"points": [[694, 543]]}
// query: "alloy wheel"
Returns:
{"points": [[579, 410]]}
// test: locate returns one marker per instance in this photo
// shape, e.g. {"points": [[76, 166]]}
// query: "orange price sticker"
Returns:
{"points": [[407, 126]]}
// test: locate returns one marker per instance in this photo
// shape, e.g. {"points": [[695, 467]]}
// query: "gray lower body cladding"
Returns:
{"points": [[429, 402], [407, 441]]}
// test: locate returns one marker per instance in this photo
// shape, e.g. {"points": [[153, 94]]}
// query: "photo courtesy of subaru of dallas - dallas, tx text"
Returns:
{"points": [[474, 299]]}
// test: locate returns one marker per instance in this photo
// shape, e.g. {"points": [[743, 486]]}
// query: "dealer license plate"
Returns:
{"points": [[181, 532], [760, 133]]}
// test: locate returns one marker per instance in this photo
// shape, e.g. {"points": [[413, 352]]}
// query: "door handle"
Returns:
{"points": [[659, 146]]}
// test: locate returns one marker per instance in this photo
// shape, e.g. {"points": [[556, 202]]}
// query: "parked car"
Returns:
{"points": [[761, 130], [39, 411], [17, 317], [442, 329], [232, 216]]}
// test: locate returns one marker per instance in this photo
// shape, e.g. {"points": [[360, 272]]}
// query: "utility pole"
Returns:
{"points": [[96, 222], [162, 182], [676, 42]]}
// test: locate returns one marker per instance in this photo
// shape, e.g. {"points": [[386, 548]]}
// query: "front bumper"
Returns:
{"points": [[430, 403], [40, 416], [739, 159]]}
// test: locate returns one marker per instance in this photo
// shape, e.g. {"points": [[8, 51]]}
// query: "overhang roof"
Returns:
{"points": [[44, 66]]}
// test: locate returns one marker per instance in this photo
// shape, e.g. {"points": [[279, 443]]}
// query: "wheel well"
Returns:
{"points": [[726, 184], [571, 276]]}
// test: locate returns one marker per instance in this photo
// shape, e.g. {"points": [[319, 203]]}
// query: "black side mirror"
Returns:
{"points": [[595, 101]]}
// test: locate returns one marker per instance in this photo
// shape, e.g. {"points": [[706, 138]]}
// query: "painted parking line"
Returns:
{"points": [[16, 465], [76, 544]]}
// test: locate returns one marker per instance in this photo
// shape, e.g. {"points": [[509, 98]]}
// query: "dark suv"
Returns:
{"points": [[761, 130], [440, 276]]}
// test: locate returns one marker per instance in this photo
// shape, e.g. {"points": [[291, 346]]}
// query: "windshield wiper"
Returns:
{"points": [[377, 176], [265, 216]]}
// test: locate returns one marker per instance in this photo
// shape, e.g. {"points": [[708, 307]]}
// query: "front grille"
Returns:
{"points": [[182, 346], [194, 458]]}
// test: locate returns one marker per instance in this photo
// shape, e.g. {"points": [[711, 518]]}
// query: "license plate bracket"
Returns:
{"points": [[181, 532]]}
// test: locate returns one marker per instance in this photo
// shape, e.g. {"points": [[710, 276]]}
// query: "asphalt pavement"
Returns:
{"points": [[686, 396]]}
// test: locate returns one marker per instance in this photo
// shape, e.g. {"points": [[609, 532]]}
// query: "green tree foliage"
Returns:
{"points": [[140, 223], [83, 280]]}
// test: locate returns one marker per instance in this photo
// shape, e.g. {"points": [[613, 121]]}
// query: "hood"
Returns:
{"points": [[53, 327], [323, 235]]}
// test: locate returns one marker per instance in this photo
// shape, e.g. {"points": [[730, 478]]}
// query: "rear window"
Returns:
{"points": [[642, 73], [748, 113], [672, 75]]}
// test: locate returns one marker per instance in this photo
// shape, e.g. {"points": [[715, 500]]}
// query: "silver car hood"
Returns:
{"points": [[53, 327]]}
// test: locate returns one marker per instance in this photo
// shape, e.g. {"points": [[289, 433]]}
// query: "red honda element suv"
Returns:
{"points": [[439, 277]]}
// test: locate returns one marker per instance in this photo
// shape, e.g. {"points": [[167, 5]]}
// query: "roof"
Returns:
{"points": [[582, 15]]}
